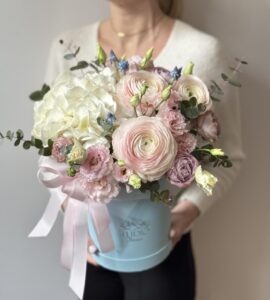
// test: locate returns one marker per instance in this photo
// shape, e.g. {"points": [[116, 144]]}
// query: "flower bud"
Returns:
{"points": [[147, 58], [135, 181], [101, 55], [205, 180], [189, 69], [77, 154], [166, 93], [143, 90], [120, 163], [71, 171], [135, 100], [217, 152]]}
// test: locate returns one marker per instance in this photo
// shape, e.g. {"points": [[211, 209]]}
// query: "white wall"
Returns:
{"points": [[231, 242]]}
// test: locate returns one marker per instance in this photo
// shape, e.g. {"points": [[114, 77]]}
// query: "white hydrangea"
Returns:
{"points": [[72, 106]]}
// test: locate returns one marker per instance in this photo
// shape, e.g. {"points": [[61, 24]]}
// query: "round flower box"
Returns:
{"points": [[140, 230]]}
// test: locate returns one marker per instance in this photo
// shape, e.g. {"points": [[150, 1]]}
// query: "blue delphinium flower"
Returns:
{"points": [[110, 118], [113, 58], [176, 73], [123, 65]]}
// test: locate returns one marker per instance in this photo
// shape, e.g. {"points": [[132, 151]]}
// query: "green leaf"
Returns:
{"points": [[45, 151], [50, 143], [37, 143], [81, 65], [77, 51], [27, 145], [36, 96], [1, 135], [9, 135], [215, 98], [69, 56], [45, 89], [17, 143], [19, 134], [241, 61], [234, 82], [224, 77], [193, 101], [218, 89]]}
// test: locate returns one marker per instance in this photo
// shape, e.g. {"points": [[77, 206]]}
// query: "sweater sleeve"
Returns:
{"points": [[228, 113]]}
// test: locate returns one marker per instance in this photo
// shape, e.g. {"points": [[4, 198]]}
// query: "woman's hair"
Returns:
{"points": [[172, 8]]}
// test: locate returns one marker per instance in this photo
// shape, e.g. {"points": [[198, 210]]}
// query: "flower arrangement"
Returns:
{"points": [[124, 123]]}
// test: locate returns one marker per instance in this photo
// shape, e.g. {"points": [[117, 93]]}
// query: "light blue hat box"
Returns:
{"points": [[140, 230]]}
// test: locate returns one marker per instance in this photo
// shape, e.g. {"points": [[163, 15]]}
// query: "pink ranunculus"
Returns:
{"points": [[182, 172], [146, 145], [208, 126], [131, 84], [174, 120], [186, 143], [121, 173], [98, 163], [192, 86], [102, 190], [59, 149]]}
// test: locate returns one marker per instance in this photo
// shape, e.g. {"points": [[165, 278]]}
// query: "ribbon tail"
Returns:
{"points": [[101, 220], [49, 216], [79, 261], [67, 244]]}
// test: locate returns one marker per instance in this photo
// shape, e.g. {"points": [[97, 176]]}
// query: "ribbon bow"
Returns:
{"points": [[62, 187]]}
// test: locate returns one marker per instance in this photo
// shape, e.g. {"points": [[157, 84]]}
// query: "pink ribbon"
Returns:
{"points": [[75, 229]]}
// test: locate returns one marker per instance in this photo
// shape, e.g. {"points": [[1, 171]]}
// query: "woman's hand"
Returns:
{"points": [[183, 214]]}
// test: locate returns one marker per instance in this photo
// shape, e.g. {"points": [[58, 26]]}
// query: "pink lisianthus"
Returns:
{"points": [[146, 145], [59, 149], [98, 163], [131, 84], [208, 126], [102, 190], [183, 171], [186, 143], [121, 173], [174, 120]]}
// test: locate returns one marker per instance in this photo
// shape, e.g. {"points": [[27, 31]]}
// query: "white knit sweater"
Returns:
{"points": [[184, 44]]}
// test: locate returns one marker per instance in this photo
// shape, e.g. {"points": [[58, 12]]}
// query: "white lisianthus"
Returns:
{"points": [[72, 106]]}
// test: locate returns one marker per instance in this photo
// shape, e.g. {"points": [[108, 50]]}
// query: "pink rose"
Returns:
{"points": [[191, 86], [183, 171], [186, 143], [121, 173], [146, 145], [98, 163], [60, 148], [208, 126], [102, 190], [131, 84]]}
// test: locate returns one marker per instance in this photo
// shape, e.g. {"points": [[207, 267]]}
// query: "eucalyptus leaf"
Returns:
{"points": [[69, 56], [77, 51], [19, 134], [36, 96], [17, 143], [234, 82], [224, 77], [45, 89], [45, 151], [81, 65], [27, 145]]}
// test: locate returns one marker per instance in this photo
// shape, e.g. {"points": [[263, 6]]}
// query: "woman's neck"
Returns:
{"points": [[132, 27]]}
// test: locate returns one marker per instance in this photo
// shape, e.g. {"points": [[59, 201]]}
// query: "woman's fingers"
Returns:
{"points": [[91, 249]]}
